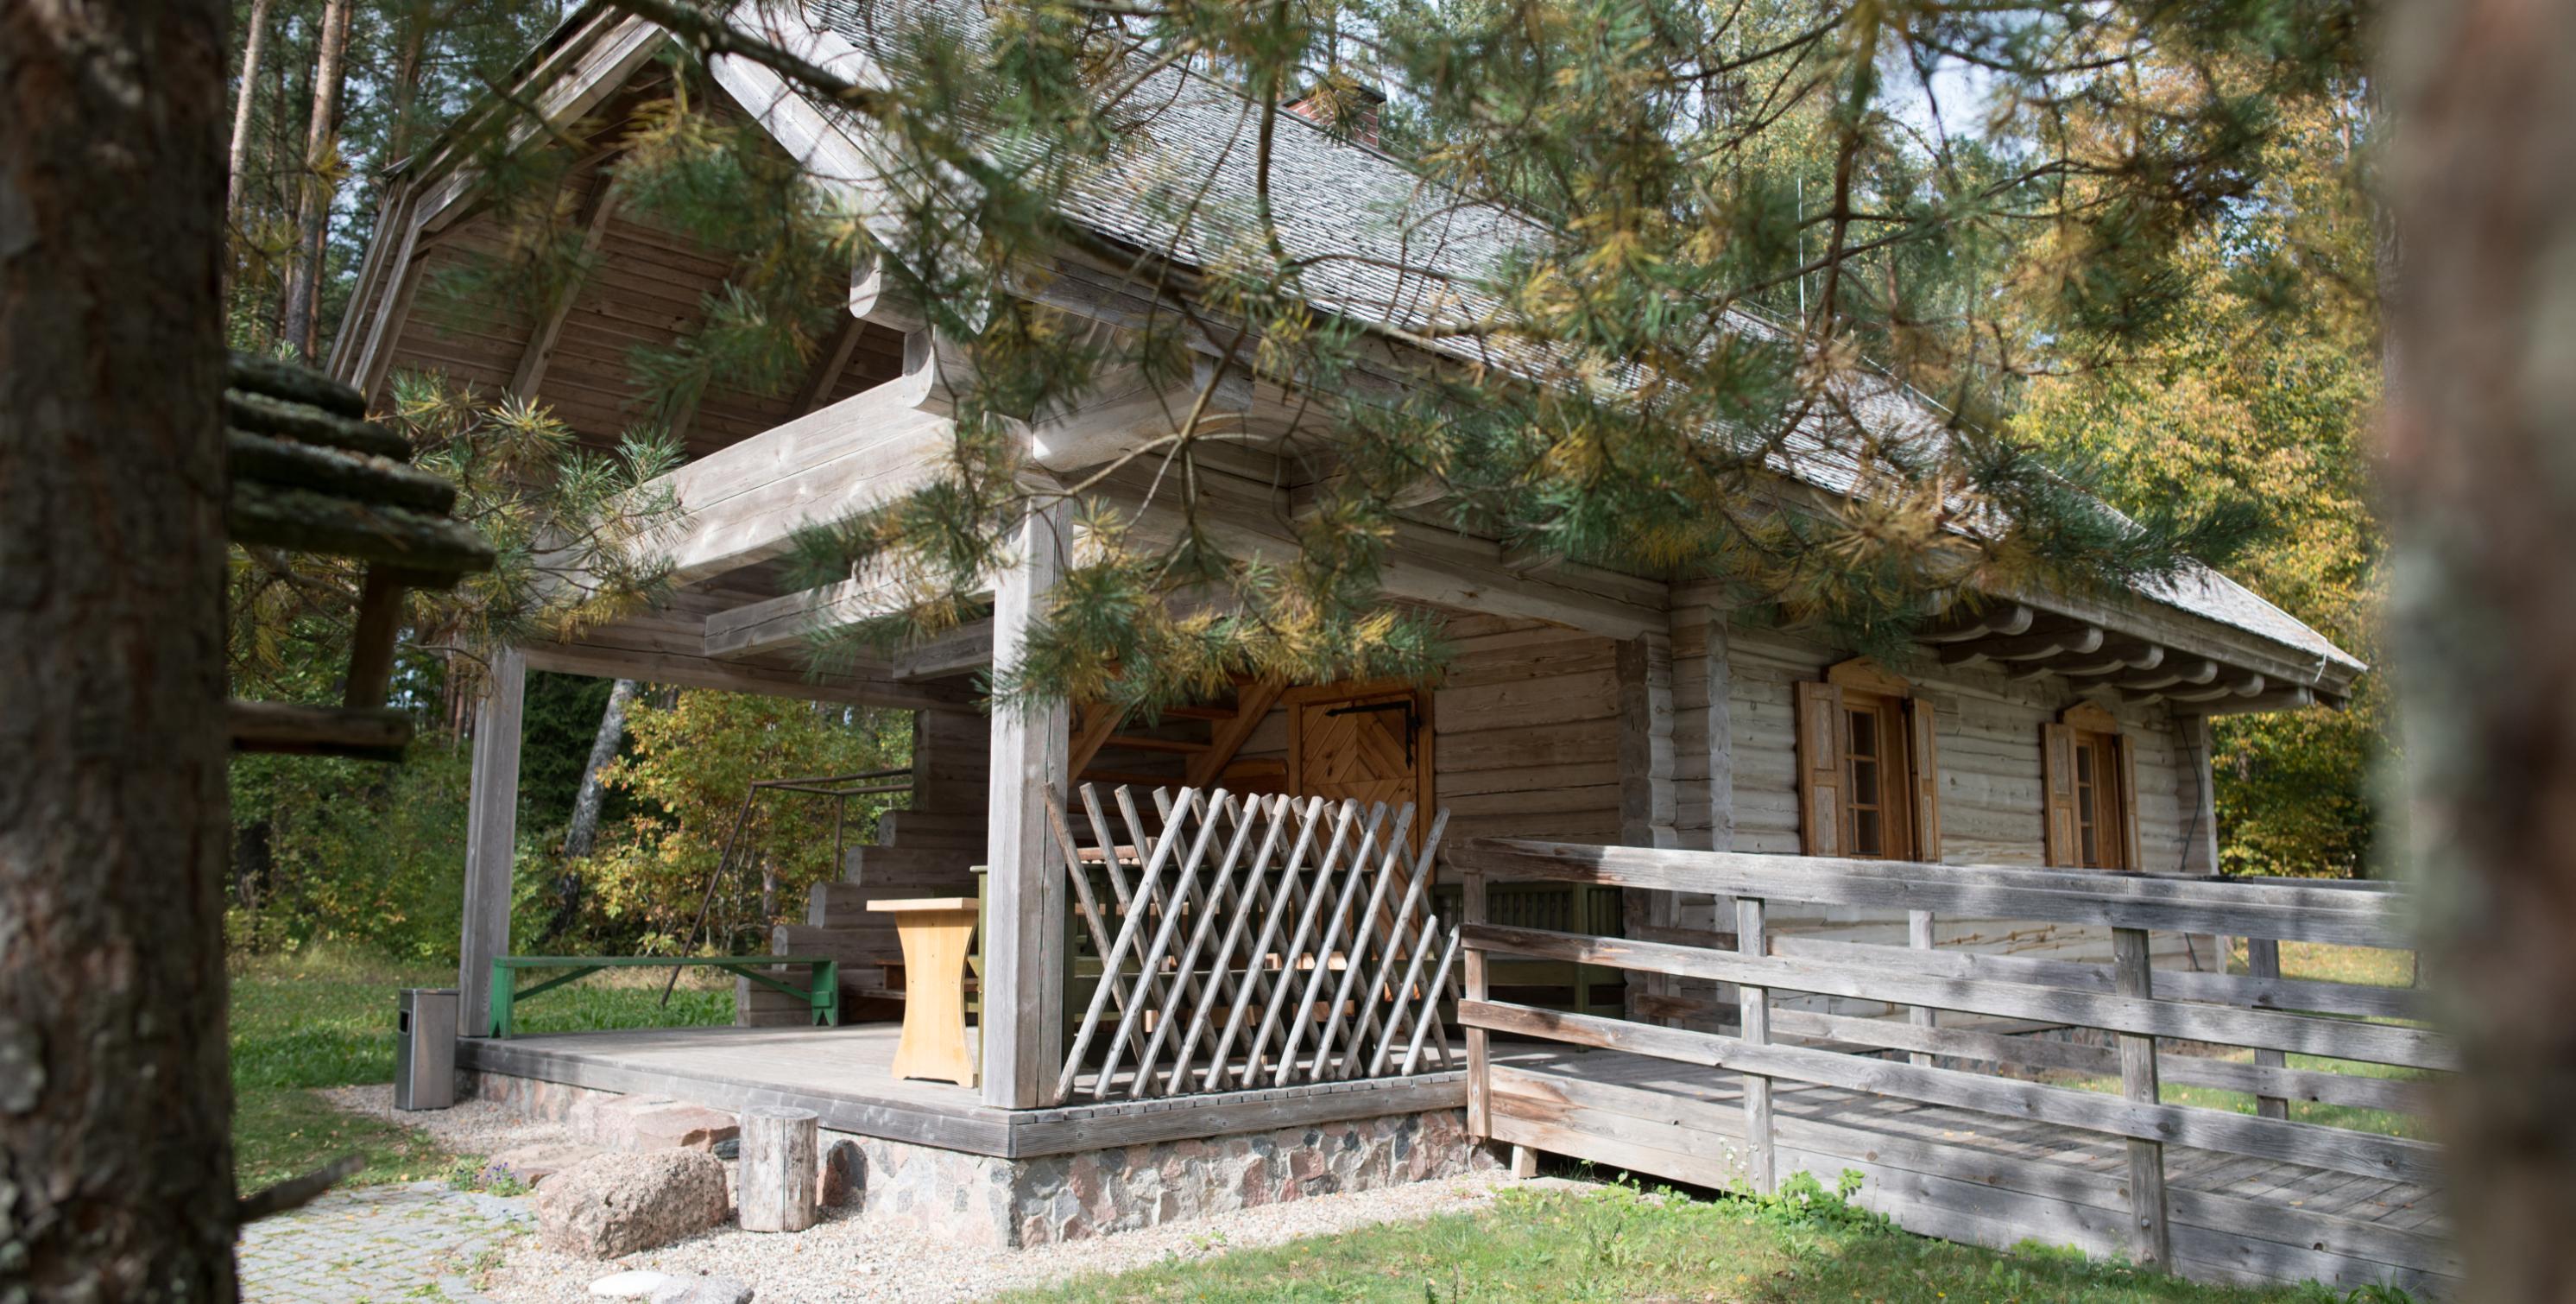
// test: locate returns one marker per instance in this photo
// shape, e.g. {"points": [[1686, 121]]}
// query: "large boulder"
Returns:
{"points": [[532, 1164], [617, 1204]]}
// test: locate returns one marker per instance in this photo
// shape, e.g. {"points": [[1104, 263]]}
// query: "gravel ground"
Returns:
{"points": [[849, 1258], [473, 1127]]}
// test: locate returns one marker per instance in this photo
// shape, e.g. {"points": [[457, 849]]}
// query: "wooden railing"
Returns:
{"points": [[1246, 942], [2126, 999]]}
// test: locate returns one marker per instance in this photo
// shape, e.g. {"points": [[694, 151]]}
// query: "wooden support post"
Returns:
{"points": [[2263, 960], [491, 839], [1647, 807], [1480, 1104], [1752, 937], [1918, 934], [2150, 1236], [1023, 980], [371, 644], [1524, 1163], [780, 1172]]}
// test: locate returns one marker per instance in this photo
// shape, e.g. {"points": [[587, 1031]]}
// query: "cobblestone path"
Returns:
{"points": [[379, 1245]]}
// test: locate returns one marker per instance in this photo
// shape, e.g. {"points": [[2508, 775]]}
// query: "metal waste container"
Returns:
{"points": [[425, 1048]]}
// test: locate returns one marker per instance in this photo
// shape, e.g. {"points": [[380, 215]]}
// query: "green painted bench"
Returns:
{"points": [[822, 992]]}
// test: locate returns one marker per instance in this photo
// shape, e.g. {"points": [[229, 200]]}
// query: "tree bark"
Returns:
{"points": [[315, 189], [2481, 481], [115, 1156], [603, 749], [242, 102]]}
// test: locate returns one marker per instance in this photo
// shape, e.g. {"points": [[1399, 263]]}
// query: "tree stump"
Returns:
{"points": [[776, 1186]]}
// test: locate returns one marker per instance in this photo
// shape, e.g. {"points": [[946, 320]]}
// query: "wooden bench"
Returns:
{"points": [[821, 994]]}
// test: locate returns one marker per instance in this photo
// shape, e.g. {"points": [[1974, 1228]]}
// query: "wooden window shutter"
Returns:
{"points": [[1923, 762], [2124, 756], [2057, 790], [1820, 769]]}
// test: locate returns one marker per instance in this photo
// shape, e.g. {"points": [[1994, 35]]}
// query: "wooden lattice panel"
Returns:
{"points": [[1237, 942]]}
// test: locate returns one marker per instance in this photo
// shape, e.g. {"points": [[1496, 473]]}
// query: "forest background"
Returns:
{"points": [[2257, 386]]}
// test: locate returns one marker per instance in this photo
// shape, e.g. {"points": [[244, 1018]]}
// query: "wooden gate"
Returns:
{"points": [[1238, 942]]}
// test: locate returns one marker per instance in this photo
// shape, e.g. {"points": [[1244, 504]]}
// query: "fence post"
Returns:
{"points": [[2150, 1236], [1753, 1011], [1471, 910], [1918, 934], [2263, 960]]}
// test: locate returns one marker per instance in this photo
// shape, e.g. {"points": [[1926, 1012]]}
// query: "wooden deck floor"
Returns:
{"points": [[846, 1075], [1975, 1177]]}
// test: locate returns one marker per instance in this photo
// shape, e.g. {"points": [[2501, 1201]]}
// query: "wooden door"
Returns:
{"points": [[1366, 743]]}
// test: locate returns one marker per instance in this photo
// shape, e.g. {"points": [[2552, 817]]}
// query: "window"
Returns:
{"points": [[1868, 767], [2089, 788], [1874, 777]]}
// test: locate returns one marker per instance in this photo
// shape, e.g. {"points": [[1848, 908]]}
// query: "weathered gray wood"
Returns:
{"points": [[1753, 1005], [1331, 868], [2397, 1095], [1429, 1022], [2263, 961], [2150, 1236], [491, 839], [776, 1186], [1024, 893], [361, 733], [1383, 933], [1149, 960], [1851, 978], [1359, 871], [1991, 892], [2203, 1129], [2171, 984], [1171, 1012], [1918, 934], [1282, 901], [1480, 1088]]}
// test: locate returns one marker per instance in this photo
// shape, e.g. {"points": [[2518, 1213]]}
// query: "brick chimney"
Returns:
{"points": [[1344, 105]]}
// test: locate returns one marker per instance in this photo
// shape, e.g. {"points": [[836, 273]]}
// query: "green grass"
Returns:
{"points": [[324, 1018], [1615, 1243]]}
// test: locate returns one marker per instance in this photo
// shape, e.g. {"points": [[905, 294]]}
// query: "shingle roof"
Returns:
{"points": [[1384, 245]]}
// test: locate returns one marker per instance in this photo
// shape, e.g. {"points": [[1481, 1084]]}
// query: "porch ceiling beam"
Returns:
{"points": [[835, 360], [967, 647], [608, 661], [2026, 647]]}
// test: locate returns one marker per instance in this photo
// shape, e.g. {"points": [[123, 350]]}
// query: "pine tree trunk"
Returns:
{"points": [[2481, 479], [603, 749], [314, 188], [115, 1153], [242, 103]]}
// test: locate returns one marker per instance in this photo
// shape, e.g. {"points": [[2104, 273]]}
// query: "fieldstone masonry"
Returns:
{"points": [[988, 1201]]}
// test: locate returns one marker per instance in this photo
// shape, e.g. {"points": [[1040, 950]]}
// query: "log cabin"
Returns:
{"points": [[1584, 705]]}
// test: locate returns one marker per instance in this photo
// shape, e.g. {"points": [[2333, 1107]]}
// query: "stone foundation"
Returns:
{"points": [[988, 1201]]}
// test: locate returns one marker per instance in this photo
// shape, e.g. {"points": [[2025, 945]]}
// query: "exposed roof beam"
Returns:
{"points": [[2185, 670], [2002, 619], [2115, 656], [597, 208], [2243, 684], [2026, 647], [2283, 698]]}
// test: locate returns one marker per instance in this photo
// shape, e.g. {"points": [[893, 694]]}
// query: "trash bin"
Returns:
{"points": [[425, 1048]]}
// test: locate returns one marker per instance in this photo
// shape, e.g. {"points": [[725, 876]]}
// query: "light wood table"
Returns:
{"points": [[935, 932]]}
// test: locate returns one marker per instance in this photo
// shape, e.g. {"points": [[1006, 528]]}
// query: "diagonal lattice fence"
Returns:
{"points": [[1226, 942]]}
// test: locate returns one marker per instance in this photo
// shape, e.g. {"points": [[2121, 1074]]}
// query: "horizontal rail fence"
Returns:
{"points": [[1227, 942], [1912, 1057]]}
